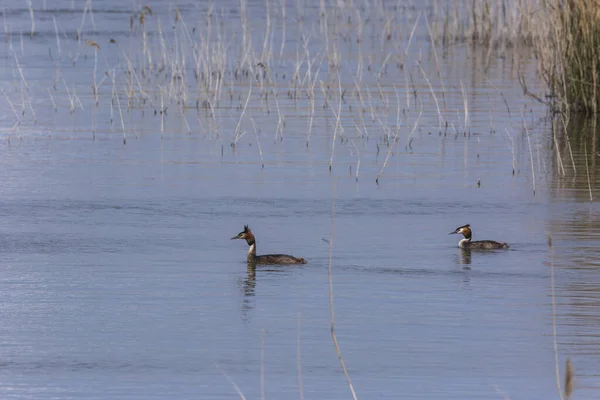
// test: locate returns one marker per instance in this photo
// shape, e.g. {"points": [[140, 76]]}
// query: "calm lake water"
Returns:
{"points": [[117, 275]]}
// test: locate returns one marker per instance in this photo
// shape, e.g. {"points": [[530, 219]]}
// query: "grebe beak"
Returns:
{"points": [[452, 233], [235, 237]]}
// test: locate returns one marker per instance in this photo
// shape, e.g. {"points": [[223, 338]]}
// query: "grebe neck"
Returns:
{"points": [[252, 251], [464, 242]]}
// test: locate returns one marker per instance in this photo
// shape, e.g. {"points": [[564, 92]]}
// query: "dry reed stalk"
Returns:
{"points": [[30, 6], [7, 31], [357, 155], [280, 118], [69, 96], [80, 28], [236, 133], [553, 297], [235, 386], [383, 68], [337, 122], [466, 105], [412, 32], [257, 141], [492, 127], [309, 63], [57, 37], [22, 43], [52, 99], [360, 28], [512, 148], [162, 46], [162, 110], [113, 94], [245, 41], [331, 308], [588, 172], [96, 47], [437, 105], [407, 88], [262, 363], [311, 94], [283, 29], [266, 51], [458, 121], [437, 62], [564, 117], [530, 150], [299, 360], [412, 132], [393, 142], [20, 69], [561, 167], [507, 109], [184, 118], [91, 12], [146, 52], [122, 122], [12, 107], [572, 158], [312, 109], [363, 109]]}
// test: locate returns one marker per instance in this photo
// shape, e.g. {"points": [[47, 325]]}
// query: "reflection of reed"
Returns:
{"points": [[581, 228], [579, 306], [575, 164]]}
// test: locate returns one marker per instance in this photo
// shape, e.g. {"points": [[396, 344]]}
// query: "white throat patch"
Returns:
{"points": [[463, 242]]}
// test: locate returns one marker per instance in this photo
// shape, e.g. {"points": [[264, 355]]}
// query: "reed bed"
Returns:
{"points": [[195, 59], [569, 55], [563, 36], [374, 68]]}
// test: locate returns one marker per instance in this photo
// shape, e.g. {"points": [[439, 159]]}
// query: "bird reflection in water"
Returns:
{"points": [[249, 283], [464, 258]]}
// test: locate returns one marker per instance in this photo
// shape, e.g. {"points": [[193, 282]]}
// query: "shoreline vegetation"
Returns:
{"points": [[193, 59], [377, 72], [201, 58], [162, 63], [373, 68], [172, 61]]}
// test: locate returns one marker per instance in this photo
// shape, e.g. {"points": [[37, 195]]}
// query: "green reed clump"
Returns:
{"points": [[569, 59], [563, 34]]}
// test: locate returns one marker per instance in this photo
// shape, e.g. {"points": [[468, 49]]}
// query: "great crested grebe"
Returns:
{"points": [[266, 258], [466, 243]]}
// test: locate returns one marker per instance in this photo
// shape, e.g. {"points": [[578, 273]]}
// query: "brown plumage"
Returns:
{"points": [[281, 259], [466, 243]]}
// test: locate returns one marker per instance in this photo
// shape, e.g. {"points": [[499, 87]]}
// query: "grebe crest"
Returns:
{"points": [[280, 259], [466, 243]]}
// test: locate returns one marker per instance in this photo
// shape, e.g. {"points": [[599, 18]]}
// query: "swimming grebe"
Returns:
{"points": [[480, 244], [267, 258]]}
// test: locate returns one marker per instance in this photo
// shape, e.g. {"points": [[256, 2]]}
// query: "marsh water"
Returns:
{"points": [[117, 275]]}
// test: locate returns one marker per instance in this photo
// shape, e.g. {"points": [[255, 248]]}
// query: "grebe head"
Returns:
{"points": [[246, 234], [464, 230]]}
